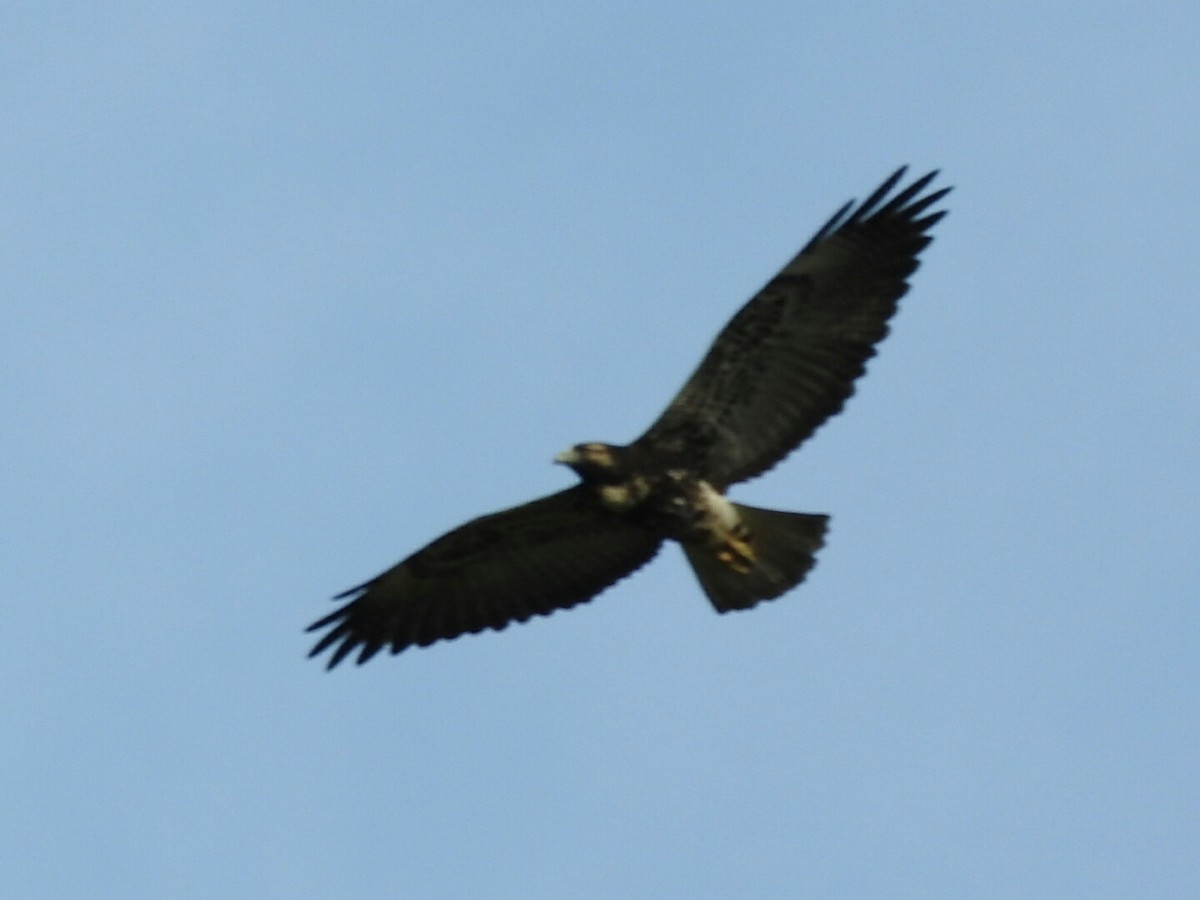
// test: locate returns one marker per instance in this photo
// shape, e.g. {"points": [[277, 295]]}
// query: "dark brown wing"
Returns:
{"points": [[505, 567], [788, 359]]}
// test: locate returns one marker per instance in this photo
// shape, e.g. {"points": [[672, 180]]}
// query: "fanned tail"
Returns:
{"points": [[782, 548]]}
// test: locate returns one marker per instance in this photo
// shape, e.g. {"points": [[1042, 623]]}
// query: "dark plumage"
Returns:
{"points": [[785, 363]]}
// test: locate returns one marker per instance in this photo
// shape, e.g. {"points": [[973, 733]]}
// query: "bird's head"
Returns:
{"points": [[593, 461]]}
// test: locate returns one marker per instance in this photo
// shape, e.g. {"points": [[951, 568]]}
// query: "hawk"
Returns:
{"points": [[785, 363]]}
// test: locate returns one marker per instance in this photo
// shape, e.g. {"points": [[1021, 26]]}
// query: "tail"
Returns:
{"points": [[782, 548]]}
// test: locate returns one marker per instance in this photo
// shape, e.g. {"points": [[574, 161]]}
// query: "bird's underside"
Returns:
{"points": [[785, 363]]}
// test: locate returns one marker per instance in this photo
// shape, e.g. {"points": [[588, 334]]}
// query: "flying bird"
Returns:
{"points": [[785, 363]]}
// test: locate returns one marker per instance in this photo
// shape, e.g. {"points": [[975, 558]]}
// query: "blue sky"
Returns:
{"points": [[289, 289]]}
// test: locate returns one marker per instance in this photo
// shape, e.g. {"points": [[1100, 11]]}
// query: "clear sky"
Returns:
{"points": [[290, 289]]}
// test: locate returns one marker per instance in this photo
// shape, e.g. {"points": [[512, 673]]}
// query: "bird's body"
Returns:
{"points": [[672, 503], [785, 363]]}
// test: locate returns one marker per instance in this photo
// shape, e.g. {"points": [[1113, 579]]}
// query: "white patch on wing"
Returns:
{"points": [[616, 497], [623, 497]]}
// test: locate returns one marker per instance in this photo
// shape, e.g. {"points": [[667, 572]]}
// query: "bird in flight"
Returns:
{"points": [[785, 363]]}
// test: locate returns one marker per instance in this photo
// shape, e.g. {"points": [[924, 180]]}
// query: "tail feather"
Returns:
{"points": [[784, 546]]}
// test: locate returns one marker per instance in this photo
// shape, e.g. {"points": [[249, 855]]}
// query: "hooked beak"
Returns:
{"points": [[568, 457]]}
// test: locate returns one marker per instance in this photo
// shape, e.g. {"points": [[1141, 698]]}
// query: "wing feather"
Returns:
{"points": [[550, 554], [787, 361]]}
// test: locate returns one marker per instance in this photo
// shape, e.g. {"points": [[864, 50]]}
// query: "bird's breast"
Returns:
{"points": [[625, 495]]}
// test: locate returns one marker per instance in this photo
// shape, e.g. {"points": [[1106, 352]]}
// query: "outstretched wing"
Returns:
{"points": [[788, 359], [550, 554]]}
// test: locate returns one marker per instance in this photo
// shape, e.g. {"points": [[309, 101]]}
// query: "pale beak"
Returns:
{"points": [[568, 457]]}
